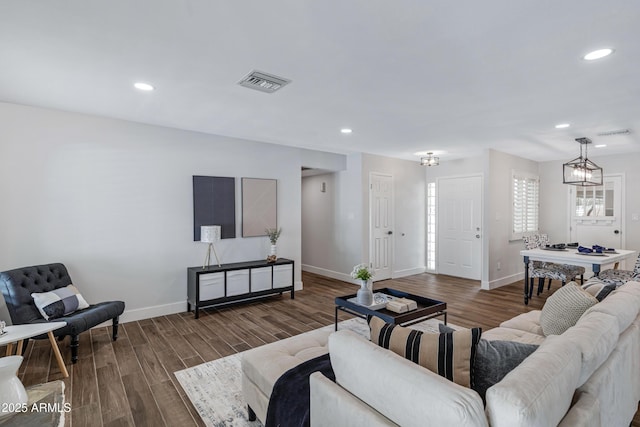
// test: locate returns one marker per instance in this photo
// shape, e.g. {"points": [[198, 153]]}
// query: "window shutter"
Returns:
{"points": [[525, 212]]}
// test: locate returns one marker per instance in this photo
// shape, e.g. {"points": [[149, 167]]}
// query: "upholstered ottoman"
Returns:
{"points": [[262, 366]]}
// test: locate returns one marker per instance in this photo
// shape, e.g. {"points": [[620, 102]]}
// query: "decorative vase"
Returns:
{"points": [[273, 254], [365, 294], [12, 392]]}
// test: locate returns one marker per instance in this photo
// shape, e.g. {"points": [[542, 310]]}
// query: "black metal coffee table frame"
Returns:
{"points": [[427, 309]]}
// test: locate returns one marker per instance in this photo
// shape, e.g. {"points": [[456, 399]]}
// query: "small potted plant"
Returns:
{"points": [[273, 234], [364, 273]]}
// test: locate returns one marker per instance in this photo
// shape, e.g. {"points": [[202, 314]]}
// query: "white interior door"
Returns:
{"points": [[596, 213], [381, 219], [459, 220]]}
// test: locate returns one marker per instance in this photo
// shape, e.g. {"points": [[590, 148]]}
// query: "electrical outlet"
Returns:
{"points": [[498, 266]]}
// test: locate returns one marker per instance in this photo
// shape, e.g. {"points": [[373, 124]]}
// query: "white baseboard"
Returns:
{"points": [[328, 273], [148, 312], [503, 281], [160, 310], [408, 272]]}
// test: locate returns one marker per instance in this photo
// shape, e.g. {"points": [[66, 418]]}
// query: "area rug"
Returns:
{"points": [[215, 388]]}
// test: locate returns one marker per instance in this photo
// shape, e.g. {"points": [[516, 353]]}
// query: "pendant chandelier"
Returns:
{"points": [[430, 160], [582, 171]]}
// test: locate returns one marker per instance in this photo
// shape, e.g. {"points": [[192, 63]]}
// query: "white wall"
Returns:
{"points": [[332, 221], [501, 249], [113, 201]]}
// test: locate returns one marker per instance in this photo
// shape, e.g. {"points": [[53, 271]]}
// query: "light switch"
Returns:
{"points": [[635, 217]]}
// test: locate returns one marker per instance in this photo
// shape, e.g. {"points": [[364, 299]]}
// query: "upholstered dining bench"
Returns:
{"points": [[17, 286]]}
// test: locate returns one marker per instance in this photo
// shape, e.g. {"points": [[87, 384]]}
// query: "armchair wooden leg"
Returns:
{"points": [[115, 328], [75, 343]]}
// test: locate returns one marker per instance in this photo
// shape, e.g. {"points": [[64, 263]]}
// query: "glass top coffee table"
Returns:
{"points": [[427, 308]]}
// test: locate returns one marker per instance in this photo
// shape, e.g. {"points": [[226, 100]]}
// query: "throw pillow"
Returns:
{"points": [[494, 360], [598, 288], [449, 355], [59, 302], [563, 309]]}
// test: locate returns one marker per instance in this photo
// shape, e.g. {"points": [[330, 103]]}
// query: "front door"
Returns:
{"points": [[459, 221], [381, 217], [596, 213]]}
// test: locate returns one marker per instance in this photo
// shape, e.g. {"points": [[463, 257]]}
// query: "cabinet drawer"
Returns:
{"points": [[282, 276], [237, 282], [211, 286], [260, 279]]}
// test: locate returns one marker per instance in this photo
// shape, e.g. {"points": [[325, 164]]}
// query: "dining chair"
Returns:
{"points": [[620, 277], [549, 270]]}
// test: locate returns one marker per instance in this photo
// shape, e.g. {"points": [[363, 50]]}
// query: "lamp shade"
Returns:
{"points": [[209, 233]]}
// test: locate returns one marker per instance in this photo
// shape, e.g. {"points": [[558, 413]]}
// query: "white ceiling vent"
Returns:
{"points": [[263, 82]]}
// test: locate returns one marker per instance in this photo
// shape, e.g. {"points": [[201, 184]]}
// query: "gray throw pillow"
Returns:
{"points": [[494, 360]]}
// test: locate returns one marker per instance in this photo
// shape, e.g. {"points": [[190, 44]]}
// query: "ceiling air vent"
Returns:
{"points": [[263, 82], [615, 132]]}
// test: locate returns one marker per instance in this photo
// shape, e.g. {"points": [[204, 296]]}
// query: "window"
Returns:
{"points": [[525, 207], [596, 201], [431, 226]]}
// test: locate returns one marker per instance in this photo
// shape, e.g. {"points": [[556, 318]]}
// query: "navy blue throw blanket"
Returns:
{"points": [[290, 400]]}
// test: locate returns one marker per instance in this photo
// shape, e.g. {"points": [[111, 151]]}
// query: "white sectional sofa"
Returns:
{"points": [[588, 376]]}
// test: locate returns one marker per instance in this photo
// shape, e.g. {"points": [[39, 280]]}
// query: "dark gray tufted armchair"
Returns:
{"points": [[18, 285]]}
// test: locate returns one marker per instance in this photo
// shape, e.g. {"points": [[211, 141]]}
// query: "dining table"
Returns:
{"points": [[570, 255]]}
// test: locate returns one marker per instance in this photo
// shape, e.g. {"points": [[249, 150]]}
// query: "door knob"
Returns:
{"points": [[389, 232], [616, 231], [477, 236]]}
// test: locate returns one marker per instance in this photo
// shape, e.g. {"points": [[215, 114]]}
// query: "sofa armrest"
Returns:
{"points": [[402, 391], [332, 406]]}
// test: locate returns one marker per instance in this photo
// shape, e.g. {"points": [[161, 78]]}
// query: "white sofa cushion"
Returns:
{"points": [[623, 303], [539, 391], [596, 334], [529, 322], [405, 393]]}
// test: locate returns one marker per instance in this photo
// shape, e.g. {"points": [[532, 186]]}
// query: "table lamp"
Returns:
{"points": [[210, 234]]}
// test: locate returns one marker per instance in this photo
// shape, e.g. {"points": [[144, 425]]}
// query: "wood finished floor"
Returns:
{"points": [[130, 382]]}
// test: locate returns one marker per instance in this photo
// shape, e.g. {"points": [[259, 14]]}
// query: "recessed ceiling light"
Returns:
{"points": [[346, 130], [600, 145], [597, 54], [562, 126], [143, 86]]}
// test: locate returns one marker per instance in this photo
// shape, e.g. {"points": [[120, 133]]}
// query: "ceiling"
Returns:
{"points": [[450, 77]]}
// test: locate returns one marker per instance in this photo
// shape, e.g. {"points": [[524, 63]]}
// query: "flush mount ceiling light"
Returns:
{"points": [[600, 145], [143, 86], [597, 54], [430, 160], [562, 126], [346, 130], [581, 171]]}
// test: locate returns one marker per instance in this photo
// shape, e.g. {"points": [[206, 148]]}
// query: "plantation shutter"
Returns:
{"points": [[525, 194]]}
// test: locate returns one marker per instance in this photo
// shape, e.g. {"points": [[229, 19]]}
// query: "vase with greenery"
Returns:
{"points": [[364, 273], [273, 234]]}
